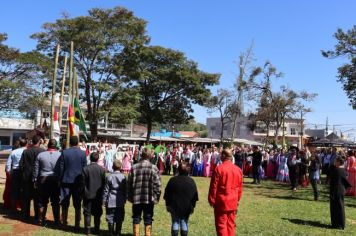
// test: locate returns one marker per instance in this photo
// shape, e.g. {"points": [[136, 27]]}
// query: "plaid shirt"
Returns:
{"points": [[144, 183]]}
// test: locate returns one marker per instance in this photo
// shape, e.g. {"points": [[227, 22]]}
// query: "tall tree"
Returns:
{"points": [[99, 38], [242, 86], [223, 103], [168, 84], [21, 77], [346, 48]]}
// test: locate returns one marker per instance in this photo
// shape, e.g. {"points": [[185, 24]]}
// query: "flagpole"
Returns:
{"points": [[76, 85], [70, 89], [54, 90], [75, 95], [62, 91]]}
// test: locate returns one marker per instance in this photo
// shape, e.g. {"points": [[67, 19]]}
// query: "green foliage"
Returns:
{"points": [[21, 77], [203, 134], [225, 103], [100, 39], [168, 84], [192, 125], [346, 48]]}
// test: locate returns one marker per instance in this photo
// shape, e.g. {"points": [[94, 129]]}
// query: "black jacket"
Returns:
{"points": [[93, 177], [181, 195], [338, 182], [256, 158], [27, 162]]}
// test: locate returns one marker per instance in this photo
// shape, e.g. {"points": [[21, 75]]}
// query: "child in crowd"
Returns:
{"points": [[93, 177], [114, 199]]}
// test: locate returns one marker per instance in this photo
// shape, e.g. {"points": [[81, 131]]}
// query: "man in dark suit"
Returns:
{"points": [[26, 167], [256, 163], [93, 177], [71, 164]]}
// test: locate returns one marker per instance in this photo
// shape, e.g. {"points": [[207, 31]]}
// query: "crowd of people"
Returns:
{"points": [[95, 176]]}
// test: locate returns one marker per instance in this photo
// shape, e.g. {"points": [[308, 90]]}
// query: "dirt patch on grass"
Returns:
{"points": [[18, 227], [351, 221]]}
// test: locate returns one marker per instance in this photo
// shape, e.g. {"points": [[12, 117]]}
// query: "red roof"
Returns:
{"points": [[189, 134]]}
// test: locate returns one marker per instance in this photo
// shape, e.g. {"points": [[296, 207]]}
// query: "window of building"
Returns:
{"points": [[64, 115], [4, 140], [212, 127], [292, 131]]}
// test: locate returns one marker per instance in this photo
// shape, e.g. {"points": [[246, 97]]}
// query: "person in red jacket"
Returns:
{"points": [[225, 193]]}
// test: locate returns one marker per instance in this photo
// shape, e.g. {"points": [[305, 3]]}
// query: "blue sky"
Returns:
{"points": [[288, 33]]}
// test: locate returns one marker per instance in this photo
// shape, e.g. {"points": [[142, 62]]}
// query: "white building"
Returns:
{"points": [[12, 129], [244, 130]]}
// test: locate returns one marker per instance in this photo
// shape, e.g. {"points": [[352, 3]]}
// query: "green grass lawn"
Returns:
{"points": [[267, 209]]}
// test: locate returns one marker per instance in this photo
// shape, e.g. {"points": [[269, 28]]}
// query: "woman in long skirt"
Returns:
{"points": [[198, 163], [109, 158], [126, 161], [161, 162], [351, 171], [207, 161], [168, 163], [283, 171], [270, 173]]}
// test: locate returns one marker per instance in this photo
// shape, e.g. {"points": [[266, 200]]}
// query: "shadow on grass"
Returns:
{"points": [[8, 214], [350, 205], [308, 222]]}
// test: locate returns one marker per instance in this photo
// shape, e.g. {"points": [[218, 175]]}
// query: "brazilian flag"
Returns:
{"points": [[79, 118]]}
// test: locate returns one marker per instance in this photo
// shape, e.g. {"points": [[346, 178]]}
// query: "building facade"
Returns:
{"points": [[246, 128]]}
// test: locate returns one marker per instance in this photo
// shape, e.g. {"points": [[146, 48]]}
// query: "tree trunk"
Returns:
{"points": [[283, 134], [267, 136], [149, 130], [93, 124], [233, 129], [276, 134], [222, 132]]}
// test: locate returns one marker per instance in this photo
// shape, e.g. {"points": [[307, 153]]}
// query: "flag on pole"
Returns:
{"points": [[79, 120], [71, 121], [56, 128]]}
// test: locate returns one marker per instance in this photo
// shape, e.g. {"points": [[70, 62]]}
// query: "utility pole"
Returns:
{"points": [[301, 129]]}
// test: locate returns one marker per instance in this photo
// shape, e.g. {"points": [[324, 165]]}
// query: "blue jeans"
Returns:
{"points": [[176, 222]]}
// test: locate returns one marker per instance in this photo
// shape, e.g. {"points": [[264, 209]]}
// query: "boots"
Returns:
{"points": [[118, 228], [111, 229], [55, 210], [174, 232], [87, 224], [42, 215], [64, 216], [96, 225], [77, 218], [136, 230], [148, 229], [183, 233]]}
